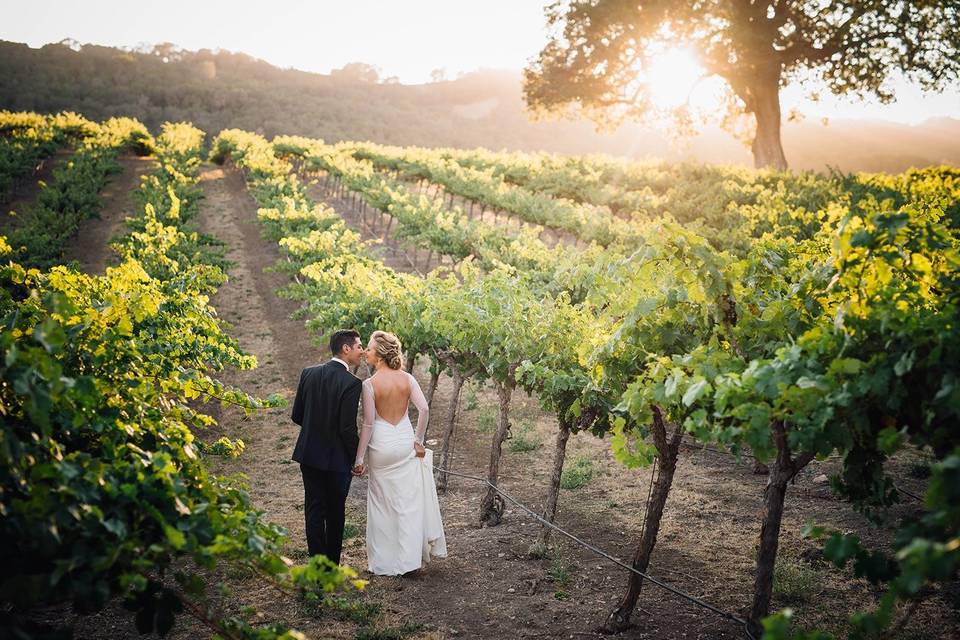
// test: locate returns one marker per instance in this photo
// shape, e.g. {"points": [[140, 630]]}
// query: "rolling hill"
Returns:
{"points": [[219, 89]]}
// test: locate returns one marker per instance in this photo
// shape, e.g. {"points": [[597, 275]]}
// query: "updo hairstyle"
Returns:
{"points": [[388, 348]]}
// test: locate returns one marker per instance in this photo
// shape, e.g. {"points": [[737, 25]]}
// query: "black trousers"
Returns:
{"points": [[324, 498]]}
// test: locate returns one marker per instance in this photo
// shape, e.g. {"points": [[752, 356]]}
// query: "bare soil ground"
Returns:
{"points": [[90, 247]]}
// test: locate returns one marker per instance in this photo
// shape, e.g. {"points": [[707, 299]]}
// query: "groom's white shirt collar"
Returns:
{"points": [[345, 365]]}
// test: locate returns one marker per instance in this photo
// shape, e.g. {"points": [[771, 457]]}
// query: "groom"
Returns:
{"points": [[326, 410]]}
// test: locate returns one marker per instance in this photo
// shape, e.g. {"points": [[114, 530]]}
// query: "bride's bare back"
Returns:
{"points": [[391, 390], [387, 395]]}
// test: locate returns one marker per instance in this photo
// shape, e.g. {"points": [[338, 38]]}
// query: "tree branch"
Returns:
{"points": [[833, 45]]}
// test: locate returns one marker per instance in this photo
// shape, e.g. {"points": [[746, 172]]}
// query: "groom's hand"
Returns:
{"points": [[419, 449], [357, 470]]}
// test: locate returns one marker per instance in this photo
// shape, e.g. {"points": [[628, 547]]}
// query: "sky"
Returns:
{"points": [[408, 39]]}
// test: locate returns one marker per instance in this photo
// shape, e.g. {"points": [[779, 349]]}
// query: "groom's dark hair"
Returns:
{"points": [[341, 338]]}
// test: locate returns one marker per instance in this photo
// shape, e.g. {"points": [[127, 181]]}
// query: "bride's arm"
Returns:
{"points": [[368, 413], [423, 409]]}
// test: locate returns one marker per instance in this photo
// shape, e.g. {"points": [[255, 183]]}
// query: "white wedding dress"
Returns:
{"points": [[404, 527]]}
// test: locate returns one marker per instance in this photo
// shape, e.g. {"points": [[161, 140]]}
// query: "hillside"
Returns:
{"points": [[218, 90]]}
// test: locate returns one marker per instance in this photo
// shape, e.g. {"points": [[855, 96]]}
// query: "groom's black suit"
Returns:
{"points": [[326, 410]]}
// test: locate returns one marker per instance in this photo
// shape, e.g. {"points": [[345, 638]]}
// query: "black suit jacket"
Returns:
{"points": [[326, 410]]}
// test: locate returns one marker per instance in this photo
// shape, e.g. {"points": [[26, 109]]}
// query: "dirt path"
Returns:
{"points": [[261, 322], [90, 247]]}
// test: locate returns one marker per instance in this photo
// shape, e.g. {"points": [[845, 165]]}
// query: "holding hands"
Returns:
{"points": [[358, 470]]}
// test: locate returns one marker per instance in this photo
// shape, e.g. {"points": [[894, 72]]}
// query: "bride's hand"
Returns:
{"points": [[419, 449]]}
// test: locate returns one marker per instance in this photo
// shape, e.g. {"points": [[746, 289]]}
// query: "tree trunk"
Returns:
{"points": [[667, 451], [767, 149], [432, 388], [559, 454], [773, 498], [491, 507], [411, 361], [451, 421], [785, 468]]}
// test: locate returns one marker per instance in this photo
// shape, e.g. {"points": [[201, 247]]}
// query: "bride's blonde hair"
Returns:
{"points": [[388, 348]]}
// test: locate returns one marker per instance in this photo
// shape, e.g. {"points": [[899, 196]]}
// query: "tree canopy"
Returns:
{"points": [[598, 50]]}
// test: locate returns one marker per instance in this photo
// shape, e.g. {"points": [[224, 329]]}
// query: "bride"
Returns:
{"points": [[404, 529]]}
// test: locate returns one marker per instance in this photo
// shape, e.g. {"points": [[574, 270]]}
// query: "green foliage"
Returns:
{"points": [[350, 607], [794, 581], [471, 400], [525, 438], [350, 530], [103, 492], [72, 195], [800, 316], [224, 446], [428, 223], [558, 573], [487, 419], [388, 633], [779, 627], [591, 223], [829, 339], [25, 140], [925, 550], [578, 474]]}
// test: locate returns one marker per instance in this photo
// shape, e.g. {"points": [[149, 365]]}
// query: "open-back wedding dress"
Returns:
{"points": [[404, 528]]}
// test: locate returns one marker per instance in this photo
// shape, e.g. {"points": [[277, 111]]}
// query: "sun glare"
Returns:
{"points": [[671, 77]]}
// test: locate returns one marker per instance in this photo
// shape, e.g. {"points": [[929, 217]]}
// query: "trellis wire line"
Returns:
{"points": [[600, 552]]}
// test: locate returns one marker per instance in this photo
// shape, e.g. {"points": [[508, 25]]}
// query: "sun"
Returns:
{"points": [[671, 77]]}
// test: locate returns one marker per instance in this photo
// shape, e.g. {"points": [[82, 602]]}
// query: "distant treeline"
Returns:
{"points": [[218, 90]]}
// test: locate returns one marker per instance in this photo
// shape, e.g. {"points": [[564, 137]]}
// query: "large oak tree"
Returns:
{"points": [[598, 49]]}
